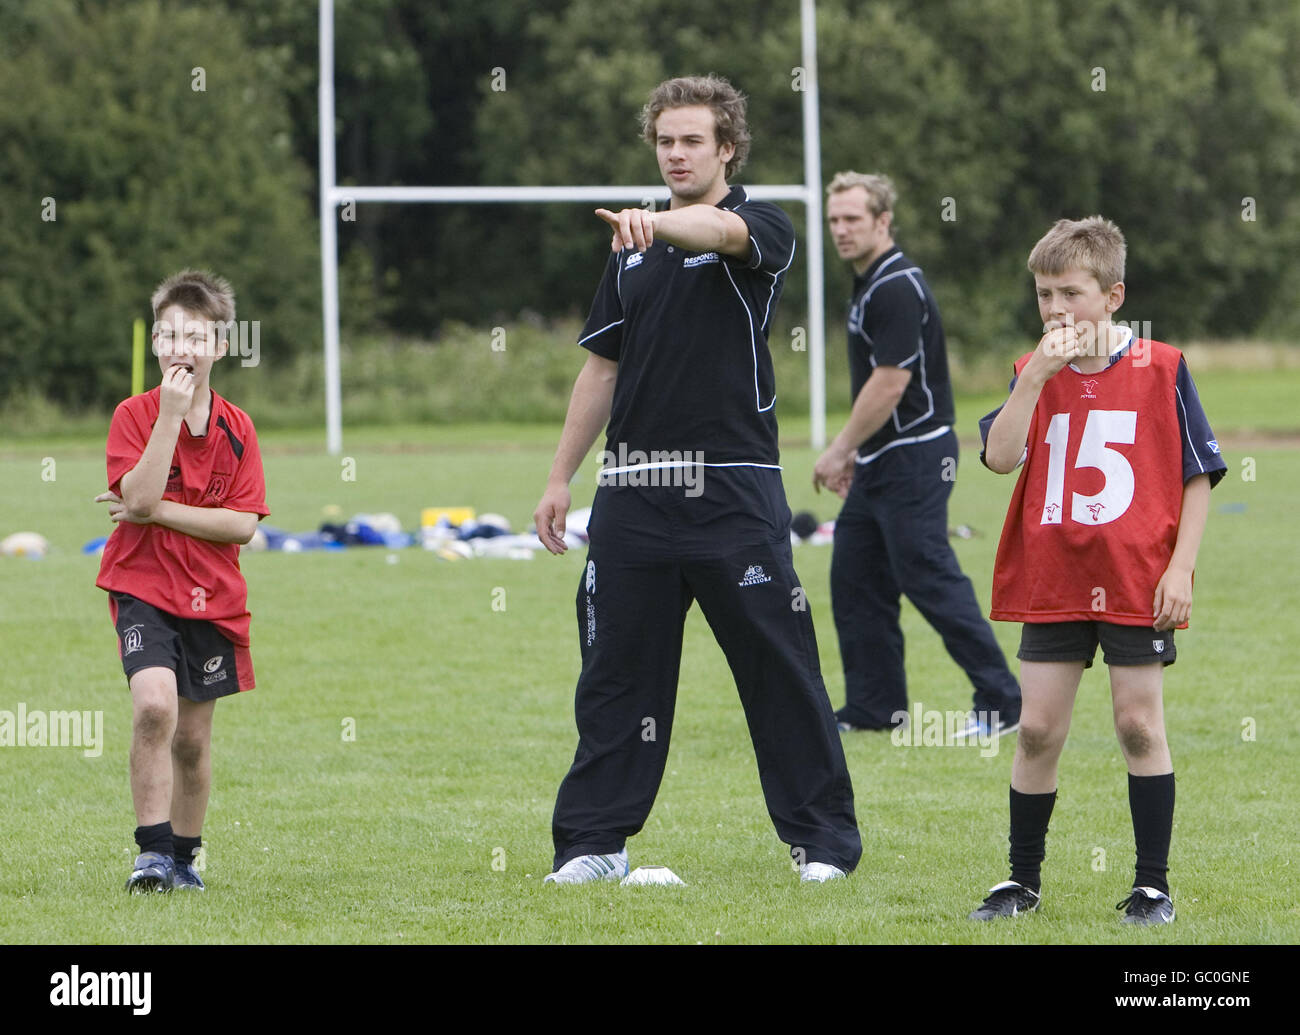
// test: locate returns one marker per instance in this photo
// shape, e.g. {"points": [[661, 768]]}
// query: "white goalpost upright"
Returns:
{"points": [[332, 195]]}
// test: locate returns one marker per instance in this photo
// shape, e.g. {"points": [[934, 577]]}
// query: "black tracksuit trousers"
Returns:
{"points": [[891, 539], [653, 551]]}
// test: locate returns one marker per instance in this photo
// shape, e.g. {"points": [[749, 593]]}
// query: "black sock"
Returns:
{"points": [[1029, 816], [184, 849], [1151, 800], [157, 838]]}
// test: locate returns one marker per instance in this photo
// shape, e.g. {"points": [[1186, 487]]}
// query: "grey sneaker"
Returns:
{"points": [[187, 878], [1147, 907], [1006, 899], [152, 871]]}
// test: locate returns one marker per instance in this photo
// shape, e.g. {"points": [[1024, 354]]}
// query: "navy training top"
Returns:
{"points": [[894, 321], [689, 333]]}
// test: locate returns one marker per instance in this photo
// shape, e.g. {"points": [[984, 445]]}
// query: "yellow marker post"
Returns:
{"points": [[137, 358]]}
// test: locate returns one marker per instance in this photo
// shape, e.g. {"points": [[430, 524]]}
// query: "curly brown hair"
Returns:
{"points": [[727, 103]]}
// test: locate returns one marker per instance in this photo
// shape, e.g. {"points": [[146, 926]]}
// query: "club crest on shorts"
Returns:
{"points": [[1158, 646], [754, 576], [215, 672], [132, 641]]}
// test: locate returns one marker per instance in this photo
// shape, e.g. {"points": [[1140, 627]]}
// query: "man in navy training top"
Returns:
{"points": [[689, 505], [894, 464]]}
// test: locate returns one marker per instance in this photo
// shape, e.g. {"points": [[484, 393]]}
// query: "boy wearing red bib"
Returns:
{"points": [[1098, 546], [185, 488]]}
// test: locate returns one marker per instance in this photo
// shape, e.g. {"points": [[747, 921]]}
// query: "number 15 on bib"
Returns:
{"points": [[1103, 427]]}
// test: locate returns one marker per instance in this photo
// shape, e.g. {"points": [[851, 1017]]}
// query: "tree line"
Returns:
{"points": [[139, 136]]}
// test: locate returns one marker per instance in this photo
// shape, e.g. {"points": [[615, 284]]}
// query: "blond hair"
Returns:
{"points": [[1094, 245], [881, 193], [196, 291], [714, 92]]}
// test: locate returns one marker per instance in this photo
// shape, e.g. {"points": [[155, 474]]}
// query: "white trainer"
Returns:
{"points": [[820, 873], [590, 867], [983, 725]]}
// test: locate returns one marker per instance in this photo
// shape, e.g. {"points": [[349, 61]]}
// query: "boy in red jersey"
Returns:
{"points": [[185, 487], [1098, 546]]}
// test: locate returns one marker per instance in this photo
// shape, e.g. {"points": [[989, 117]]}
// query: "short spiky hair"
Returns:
{"points": [[881, 193], [196, 291], [1094, 245], [727, 103]]}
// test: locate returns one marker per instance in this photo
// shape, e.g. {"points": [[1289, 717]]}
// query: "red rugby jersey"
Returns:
{"points": [[175, 572], [1093, 520]]}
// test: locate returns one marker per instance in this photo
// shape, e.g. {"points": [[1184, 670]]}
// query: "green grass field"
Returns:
{"points": [[433, 825]]}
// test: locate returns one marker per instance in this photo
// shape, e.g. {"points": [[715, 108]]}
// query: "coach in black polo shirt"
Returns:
{"points": [[690, 505], [895, 463]]}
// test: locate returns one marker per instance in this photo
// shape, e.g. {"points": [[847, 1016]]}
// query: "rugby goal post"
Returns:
{"points": [[332, 196]]}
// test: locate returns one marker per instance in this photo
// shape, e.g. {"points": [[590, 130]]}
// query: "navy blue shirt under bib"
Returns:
{"points": [[894, 321], [689, 333]]}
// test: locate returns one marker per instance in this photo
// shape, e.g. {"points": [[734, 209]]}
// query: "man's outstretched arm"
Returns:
{"points": [[697, 228]]}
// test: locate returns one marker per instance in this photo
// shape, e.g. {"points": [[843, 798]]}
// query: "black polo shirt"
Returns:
{"points": [[894, 321], [689, 333]]}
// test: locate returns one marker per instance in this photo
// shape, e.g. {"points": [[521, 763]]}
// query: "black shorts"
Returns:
{"points": [[1077, 641], [206, 663]]}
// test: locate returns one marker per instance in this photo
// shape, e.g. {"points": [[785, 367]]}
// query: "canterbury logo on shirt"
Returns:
{"points": [[218, 486]]}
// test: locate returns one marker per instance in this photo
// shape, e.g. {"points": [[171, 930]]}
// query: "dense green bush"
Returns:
{"points": [[1179, 119], [159, 144]]}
